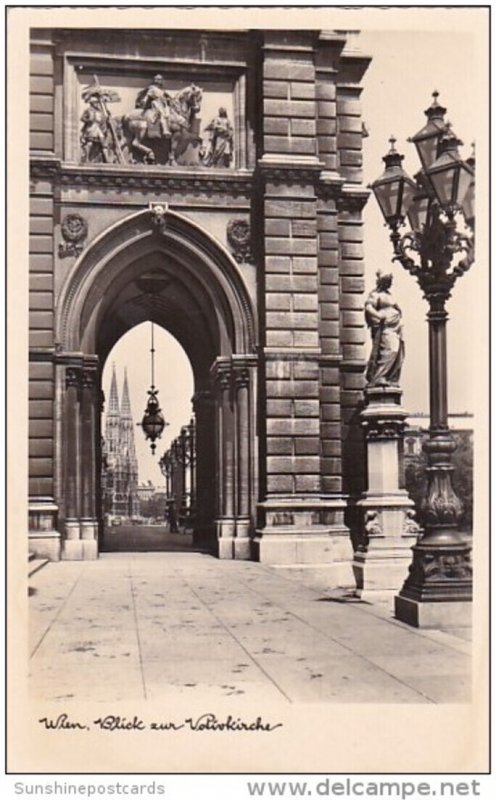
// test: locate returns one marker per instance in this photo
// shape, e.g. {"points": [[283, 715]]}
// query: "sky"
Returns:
{"points": [[397, 89], [406, 67], [173, 378]]}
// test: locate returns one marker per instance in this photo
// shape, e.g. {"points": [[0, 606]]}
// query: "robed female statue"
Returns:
{"points": [[383, 317]]}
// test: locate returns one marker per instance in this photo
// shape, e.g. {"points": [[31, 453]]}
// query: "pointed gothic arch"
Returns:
{"points": [[165, 268], [137, 237]]}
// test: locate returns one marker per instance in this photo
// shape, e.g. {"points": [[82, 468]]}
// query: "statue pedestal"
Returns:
{"points": [[382, 558]]}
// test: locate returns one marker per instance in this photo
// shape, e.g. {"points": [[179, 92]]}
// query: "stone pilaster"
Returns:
{"points": [[203, 407], [303, 289], [242, 404], [72, 544], [88, 433], [225, 428], [290, 168]]}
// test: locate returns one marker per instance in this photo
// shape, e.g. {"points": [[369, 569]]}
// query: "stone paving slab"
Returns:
{"points": [[167, 626]]}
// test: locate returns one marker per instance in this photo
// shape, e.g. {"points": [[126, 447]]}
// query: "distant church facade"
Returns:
{"points": [[119, 463], [209, 182]]}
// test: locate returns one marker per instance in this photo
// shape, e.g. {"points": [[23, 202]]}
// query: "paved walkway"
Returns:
{"points": [[161, 626]]}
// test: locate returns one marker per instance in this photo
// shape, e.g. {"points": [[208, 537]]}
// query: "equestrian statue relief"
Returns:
{"points": [[163, 128]]}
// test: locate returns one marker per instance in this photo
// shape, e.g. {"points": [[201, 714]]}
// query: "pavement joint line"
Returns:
{"points": [[231, 633], [252, 581], [347, 647], [326, 636], [135, 614], [369, 608], [57, 615]]}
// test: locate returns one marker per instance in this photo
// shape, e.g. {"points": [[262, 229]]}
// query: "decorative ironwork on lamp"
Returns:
{"points": [[153, 422], [436, 251]]}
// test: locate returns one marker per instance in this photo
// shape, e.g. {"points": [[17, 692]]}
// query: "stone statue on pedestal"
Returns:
{"points": [[383, 317], [388, 530]]}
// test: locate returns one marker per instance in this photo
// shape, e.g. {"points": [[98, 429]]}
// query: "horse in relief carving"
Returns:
{"points": [[172, 122]]}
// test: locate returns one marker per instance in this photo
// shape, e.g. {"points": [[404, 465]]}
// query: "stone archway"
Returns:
{"points": [[157, 265]]}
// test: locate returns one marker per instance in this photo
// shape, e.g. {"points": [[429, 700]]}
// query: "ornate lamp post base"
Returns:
{"points": [[422, 614], [438, 589]]}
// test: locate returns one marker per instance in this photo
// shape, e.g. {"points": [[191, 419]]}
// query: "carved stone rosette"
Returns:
{"points": [[239, 240], [74, 230]]}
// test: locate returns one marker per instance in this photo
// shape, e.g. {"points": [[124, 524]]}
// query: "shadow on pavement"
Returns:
{"points": [[145, 538]]}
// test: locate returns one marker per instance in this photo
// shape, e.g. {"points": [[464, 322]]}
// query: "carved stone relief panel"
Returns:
{"points": [[156, 119]]}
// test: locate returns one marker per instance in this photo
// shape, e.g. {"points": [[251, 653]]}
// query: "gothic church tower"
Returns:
{"points": [[121, 484]]}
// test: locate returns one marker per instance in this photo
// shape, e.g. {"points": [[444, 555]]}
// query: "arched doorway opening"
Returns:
{"points": [[144, 506], [159, 267]]}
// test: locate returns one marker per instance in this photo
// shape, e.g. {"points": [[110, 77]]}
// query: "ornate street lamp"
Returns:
{"points": [[165, 465], [153, 422], [436, 252], [427, 139]]}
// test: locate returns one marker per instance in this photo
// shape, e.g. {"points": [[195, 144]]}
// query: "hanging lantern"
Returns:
{"points": [[153, 422]]}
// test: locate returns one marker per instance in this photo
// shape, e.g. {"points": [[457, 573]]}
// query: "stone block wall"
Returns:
{"points": [[41, 226], [313, 270]]}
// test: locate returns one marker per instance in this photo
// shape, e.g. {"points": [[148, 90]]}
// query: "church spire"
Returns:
{"points": [[125, 405], [114, 396]]}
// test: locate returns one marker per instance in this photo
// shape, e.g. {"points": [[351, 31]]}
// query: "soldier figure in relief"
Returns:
{"points": [[94, 133], [383, 317]]}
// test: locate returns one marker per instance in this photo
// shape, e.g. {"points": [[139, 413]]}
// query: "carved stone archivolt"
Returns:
{"points": [[74, 230], [163, 128], [239, 239]]}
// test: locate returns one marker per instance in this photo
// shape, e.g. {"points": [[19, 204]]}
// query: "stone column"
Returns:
{"points": [[89, 522], [192, 470], [389, 530], [242, 544], [225, 523], [203, 407], [72, 548]]}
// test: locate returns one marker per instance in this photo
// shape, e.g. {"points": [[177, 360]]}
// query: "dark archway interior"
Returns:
{"points": [[157, 289], [178, 276]]}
